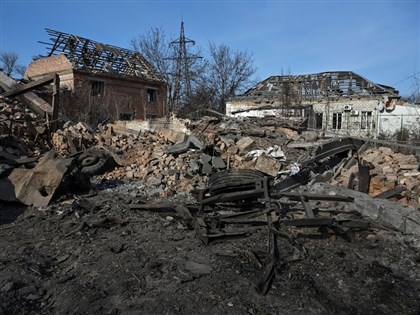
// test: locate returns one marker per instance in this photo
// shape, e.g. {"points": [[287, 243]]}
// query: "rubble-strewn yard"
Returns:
{"points": [[211, 216]]}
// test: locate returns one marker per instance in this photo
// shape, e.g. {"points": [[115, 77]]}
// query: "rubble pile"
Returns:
{"points": [[143, 159], [21, 132], [121, 244], [220, 143], [167, 167], [389, 170], [72, 138]]}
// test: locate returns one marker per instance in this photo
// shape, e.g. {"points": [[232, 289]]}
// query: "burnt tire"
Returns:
{"points": [[234, 176], [94, 162], [233, 179]]}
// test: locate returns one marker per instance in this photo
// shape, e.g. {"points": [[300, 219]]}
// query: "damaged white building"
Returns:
{"points": [[341, 103]]}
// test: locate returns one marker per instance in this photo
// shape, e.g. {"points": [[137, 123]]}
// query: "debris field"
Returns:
{"points": [[213, 215]]}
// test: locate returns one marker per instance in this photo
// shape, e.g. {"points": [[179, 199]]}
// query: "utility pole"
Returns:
{"points": [[182, 85]]}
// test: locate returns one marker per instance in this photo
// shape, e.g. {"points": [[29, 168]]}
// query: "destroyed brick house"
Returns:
{"points": [[100, 81], [340, 103]]}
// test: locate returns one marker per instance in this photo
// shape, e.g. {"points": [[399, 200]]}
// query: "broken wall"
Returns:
{"points": [[93, 96], [59, 64], [346, 116], [120, 98], [403, 116]]}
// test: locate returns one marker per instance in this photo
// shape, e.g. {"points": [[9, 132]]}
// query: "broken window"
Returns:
{"points": [[366, 120], [151, 95], [336, 121], [126, 116], [97, 88], [319, 117]]}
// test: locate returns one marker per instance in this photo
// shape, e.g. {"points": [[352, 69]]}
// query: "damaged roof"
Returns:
{"points": [[320, 85], [91, 55]]}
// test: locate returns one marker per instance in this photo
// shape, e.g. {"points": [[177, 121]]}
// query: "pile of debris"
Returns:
{"points": [[388, 171], [72, 138], [22, 133], [243, 180], [175, 162]]}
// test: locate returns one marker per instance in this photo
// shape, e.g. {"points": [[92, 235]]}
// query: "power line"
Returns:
{"points": [[409, 77]]}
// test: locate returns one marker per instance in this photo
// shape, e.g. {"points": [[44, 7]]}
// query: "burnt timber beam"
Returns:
{"points": [[53, 78], [334, 147], [30, 86], [55, 102], [233, 196], [33, 101], [297, 196], [390, 193], [306, 206]]}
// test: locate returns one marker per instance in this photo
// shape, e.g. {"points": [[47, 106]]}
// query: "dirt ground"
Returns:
{"points": [[95, 255]]}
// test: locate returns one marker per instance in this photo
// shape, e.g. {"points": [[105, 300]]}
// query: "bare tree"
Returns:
{"points": [[225, 74], [155, 46], [20, 70], [229, 72], [415, 89], [9, 63]]}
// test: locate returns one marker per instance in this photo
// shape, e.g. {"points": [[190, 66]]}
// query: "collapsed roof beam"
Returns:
{"points": [[94, 56]]}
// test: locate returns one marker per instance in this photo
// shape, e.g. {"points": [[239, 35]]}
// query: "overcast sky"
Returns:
{"points": [[378, 39]]}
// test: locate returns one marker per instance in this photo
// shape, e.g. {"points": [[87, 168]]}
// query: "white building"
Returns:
{"points": [[342, 103]]}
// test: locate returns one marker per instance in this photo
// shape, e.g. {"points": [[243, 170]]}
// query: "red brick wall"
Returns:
{"points": [[42, 67], [122, 95]]}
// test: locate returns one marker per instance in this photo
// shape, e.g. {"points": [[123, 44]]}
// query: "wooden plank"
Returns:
{"points": [[34, 102], [390, 193], [30, 86], [55, 102], [306, 206], [297, 196]]}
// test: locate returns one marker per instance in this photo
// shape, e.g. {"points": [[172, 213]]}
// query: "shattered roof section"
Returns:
{"points": [[94, 56], [320, 85]]}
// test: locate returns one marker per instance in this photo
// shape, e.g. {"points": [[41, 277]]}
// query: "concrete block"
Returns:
{"points": [[245, 144], [385, 150], [232, 150], [386, 212], [218, 162], [408, 166], [172, 135], [371, 157], [268, 165]]}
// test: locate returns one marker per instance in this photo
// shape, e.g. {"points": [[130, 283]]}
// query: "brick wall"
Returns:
{"points": [[44, 66], [122, 97]]}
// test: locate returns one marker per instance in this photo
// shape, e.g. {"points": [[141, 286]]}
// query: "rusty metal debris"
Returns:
{"points": [[239, 185], [38, 185]]}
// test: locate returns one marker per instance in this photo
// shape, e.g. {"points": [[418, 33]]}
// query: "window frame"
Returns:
{"points": [[97, 88], [151, 95], [337, 121], [365, 120]]}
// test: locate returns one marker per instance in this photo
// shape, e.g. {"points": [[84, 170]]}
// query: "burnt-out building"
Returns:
{"points": [[340, 102], [100, 81]]}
